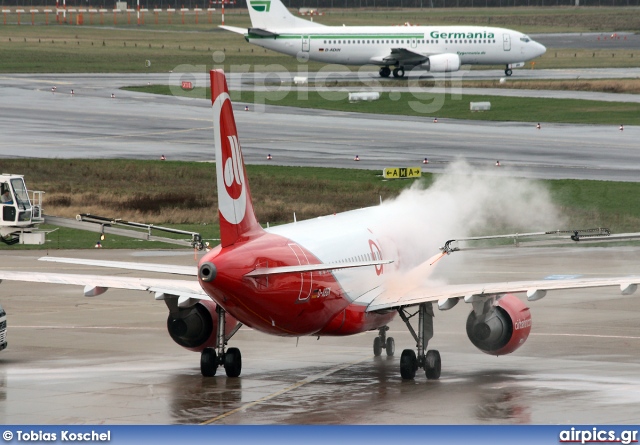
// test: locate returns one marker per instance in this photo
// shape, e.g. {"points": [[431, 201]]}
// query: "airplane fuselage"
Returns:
{"points": [[362, 45], [310, 303]]}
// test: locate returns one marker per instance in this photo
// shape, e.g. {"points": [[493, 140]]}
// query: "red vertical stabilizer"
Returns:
{"points": [[237, 218]]}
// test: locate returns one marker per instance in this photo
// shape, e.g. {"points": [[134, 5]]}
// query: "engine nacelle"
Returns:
{"points": [[195, 327], [443, 63], [501, 329]]}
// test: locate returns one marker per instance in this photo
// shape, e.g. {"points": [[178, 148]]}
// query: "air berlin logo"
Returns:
{"points": [[376, 255], [261, 5], [233, 180], [232, 192]]}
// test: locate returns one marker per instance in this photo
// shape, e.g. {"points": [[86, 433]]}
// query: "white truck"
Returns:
{"points": [[19, 214]]}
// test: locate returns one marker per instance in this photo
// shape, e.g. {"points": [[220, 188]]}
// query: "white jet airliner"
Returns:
{"points": [[328, 276], [437, 49]]}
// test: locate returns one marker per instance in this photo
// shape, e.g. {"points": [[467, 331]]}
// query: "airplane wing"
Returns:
{"points": [[448, 296], [188, 292], [401, 56], [160, 268]]}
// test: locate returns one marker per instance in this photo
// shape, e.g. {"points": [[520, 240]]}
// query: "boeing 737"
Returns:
{"points": [[394, 49], [329, 276]]}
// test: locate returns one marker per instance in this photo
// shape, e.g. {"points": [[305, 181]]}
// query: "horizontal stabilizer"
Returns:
{"points": [[234, 29], [303, 268]]}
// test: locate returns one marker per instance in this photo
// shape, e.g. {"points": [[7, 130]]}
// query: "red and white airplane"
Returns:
{"points": [[329, 276]]}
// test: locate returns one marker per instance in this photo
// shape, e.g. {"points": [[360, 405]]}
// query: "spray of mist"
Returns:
{"points": [[464, 201]]}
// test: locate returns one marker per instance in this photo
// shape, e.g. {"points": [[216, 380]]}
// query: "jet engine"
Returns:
{"points": [[195, 327], [443, 63], [502, 328]]}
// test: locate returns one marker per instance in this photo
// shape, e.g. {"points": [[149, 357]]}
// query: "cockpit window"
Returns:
{"points": [[525, 39]]}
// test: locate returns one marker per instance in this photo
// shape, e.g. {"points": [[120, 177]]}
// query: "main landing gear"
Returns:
{"points": [[508, 71], [211, 358], [429, 361], [383, 342], [385, 71]]}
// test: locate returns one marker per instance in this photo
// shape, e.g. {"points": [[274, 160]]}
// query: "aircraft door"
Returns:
{"points": [[306, 43], [506, 42], [306, 279], [414, 43]]}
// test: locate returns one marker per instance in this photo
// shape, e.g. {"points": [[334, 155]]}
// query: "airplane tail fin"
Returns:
{"points": [[273, 15], [235, 209]]}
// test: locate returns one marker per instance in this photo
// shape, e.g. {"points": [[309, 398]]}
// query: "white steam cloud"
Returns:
{"points": [[464, 201]]}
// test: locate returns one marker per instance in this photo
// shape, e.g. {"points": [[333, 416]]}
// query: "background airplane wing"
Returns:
{"points": [[448, 296], [402, 56]]}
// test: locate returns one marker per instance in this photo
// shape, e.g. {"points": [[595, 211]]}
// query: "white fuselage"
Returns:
{"points": [[364, 45]]}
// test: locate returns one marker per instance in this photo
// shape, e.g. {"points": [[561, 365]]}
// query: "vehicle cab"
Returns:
{"points": [[14, 199]]}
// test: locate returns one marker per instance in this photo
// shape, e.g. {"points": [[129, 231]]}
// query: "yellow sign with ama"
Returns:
{"points": [[402, 172]]}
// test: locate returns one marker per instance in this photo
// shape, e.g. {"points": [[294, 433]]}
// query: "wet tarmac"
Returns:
{"points": [[110, 360]]}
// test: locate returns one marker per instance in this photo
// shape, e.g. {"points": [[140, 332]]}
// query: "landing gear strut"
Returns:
{"points": [[382, 341], [508, 71], [211, 358], [429, 361], [385, 71]]}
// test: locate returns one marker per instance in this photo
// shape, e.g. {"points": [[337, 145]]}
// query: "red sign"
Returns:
{"points": [[186, 85]]}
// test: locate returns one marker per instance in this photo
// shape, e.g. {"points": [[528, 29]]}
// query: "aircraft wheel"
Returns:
{"points": [[233, 362], [390, 346], [408, 364], [208, 362], [398, 72], [385, 71], [377, 346], [432, 365], [508, 72]]}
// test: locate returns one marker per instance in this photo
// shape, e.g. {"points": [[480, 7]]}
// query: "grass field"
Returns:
{"points": [[126, 47], [518, 109], [139, 191]]}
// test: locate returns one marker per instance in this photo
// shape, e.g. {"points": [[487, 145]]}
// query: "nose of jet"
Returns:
{"points": [[539, 49]]}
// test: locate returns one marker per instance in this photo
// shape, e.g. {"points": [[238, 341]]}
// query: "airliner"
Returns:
{"points": [[330, 276], [395, 49]]}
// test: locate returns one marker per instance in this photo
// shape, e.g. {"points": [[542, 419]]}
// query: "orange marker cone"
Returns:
{"points": [[435, 120], [497, 163], [357, 158], [162, 158], [426, 161], [269, 157], [246, 108], [621, 127], [538, 126]]}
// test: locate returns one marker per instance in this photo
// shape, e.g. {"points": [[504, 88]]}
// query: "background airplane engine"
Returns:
{"points": [[500, 329], [443, 63], [195, 327]]}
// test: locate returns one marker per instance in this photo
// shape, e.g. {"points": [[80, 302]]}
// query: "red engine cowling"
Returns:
{"points": [[502, 328], [195, 327], [443, 63]]}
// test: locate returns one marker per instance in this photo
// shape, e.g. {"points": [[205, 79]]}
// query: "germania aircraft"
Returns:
{"points": [[437, 49], [328, 276]]}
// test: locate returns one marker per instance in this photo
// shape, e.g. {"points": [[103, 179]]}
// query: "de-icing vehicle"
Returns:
{"points": [[19, 213]]}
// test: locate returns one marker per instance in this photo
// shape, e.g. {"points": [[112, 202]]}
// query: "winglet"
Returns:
{"points": [[237, 218]]}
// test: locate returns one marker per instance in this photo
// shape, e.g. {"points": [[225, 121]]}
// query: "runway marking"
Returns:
{"points": [[296, 385]]}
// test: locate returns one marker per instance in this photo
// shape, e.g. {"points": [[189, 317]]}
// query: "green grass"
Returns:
{"points": [[518, 109], [277, 191]]}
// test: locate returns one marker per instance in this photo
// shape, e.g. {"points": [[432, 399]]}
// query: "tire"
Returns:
{"points": [[377, 346], [233, 362], [398, 73], [385, 72], [408, 364], [508, 72], [390, 347], [432, 365], [208, 362]]}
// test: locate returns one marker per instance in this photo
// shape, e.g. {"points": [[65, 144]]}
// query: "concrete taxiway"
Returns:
{"points": [[110, 360], [90, 124]]}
